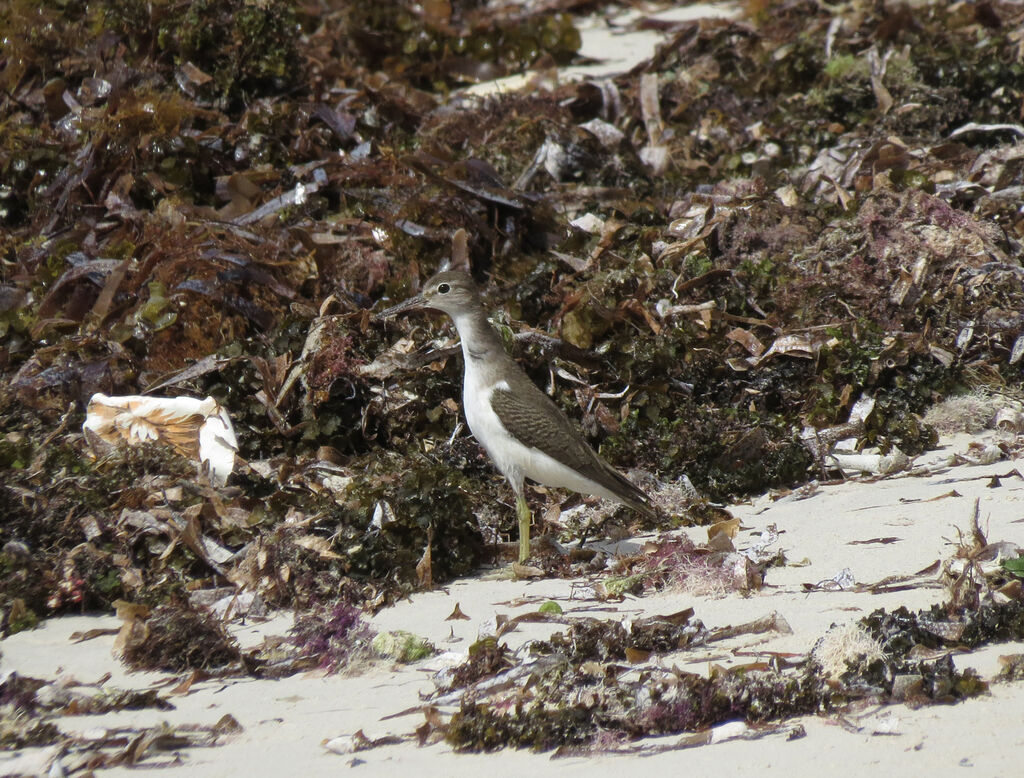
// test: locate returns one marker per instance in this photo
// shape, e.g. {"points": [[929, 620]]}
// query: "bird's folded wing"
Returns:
{"points": [[534, 420]]}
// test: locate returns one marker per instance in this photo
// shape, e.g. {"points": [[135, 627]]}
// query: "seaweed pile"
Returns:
{"points": [[773, 217], [27, 706], [599, 686]]}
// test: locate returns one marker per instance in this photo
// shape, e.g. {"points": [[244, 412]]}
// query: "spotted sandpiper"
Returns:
{"points": [[523, 431]]}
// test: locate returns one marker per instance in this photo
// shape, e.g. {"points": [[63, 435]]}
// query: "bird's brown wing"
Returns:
{"points": [[534, 419]]}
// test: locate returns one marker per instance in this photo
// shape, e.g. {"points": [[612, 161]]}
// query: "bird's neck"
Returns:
{"points": [[480, 341]]}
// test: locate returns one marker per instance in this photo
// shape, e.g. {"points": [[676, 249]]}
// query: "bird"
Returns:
{"points": [[523, 431]]}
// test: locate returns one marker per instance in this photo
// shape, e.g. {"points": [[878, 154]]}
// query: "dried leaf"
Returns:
{"points": [[315, 543], [457, 614], [637, 656], [874, 541], [425, 567], [729, 528], [184, 686], [91, 634], [746, 339]]}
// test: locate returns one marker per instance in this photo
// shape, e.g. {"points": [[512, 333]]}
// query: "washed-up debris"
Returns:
{"points": [[173, 637], [901, 632], [198, 429], [401, 646], [30, 706], [713, 569], [66, 696], [240, 226], [722, 733], [457, 614], [976, 411], [844, 580], [1011, 668], [351, 744], [339, 641], [845, 646], [700, 280], [587, 674], [978, 571], [841, 581], [875, 464], [773, 622], [133, 747], [592, 689], [883, 541], [228, 603], [822, 443]]}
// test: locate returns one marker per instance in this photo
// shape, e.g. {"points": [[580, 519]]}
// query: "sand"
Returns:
{"points": [[286, 722]]}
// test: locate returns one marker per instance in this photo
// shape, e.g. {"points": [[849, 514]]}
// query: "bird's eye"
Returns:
{"points": [[443, 288]]}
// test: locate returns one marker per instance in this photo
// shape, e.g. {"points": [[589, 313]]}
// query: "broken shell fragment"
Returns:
{"points": [[1017, 352], [1009, 419], [198, 429], [796, 345], [875, 464]]}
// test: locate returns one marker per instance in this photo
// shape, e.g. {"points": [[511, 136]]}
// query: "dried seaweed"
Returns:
{"points": [[175, 637], [582, 693], [27, 706], [334, 642]]}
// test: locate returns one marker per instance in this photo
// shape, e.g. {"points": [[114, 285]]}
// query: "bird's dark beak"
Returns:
{"points": [[412, 304]]}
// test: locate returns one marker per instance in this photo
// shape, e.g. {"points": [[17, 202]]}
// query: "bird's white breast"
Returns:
{"points": [[506, 452]]}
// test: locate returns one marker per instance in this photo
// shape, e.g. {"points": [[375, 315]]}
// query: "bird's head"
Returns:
{"points": [[451, 291]]}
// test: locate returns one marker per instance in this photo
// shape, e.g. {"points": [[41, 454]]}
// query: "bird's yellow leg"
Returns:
{"points": [[523, 511]]}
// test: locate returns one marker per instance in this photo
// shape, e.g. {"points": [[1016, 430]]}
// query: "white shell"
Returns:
{"points": [[200, 429]]}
